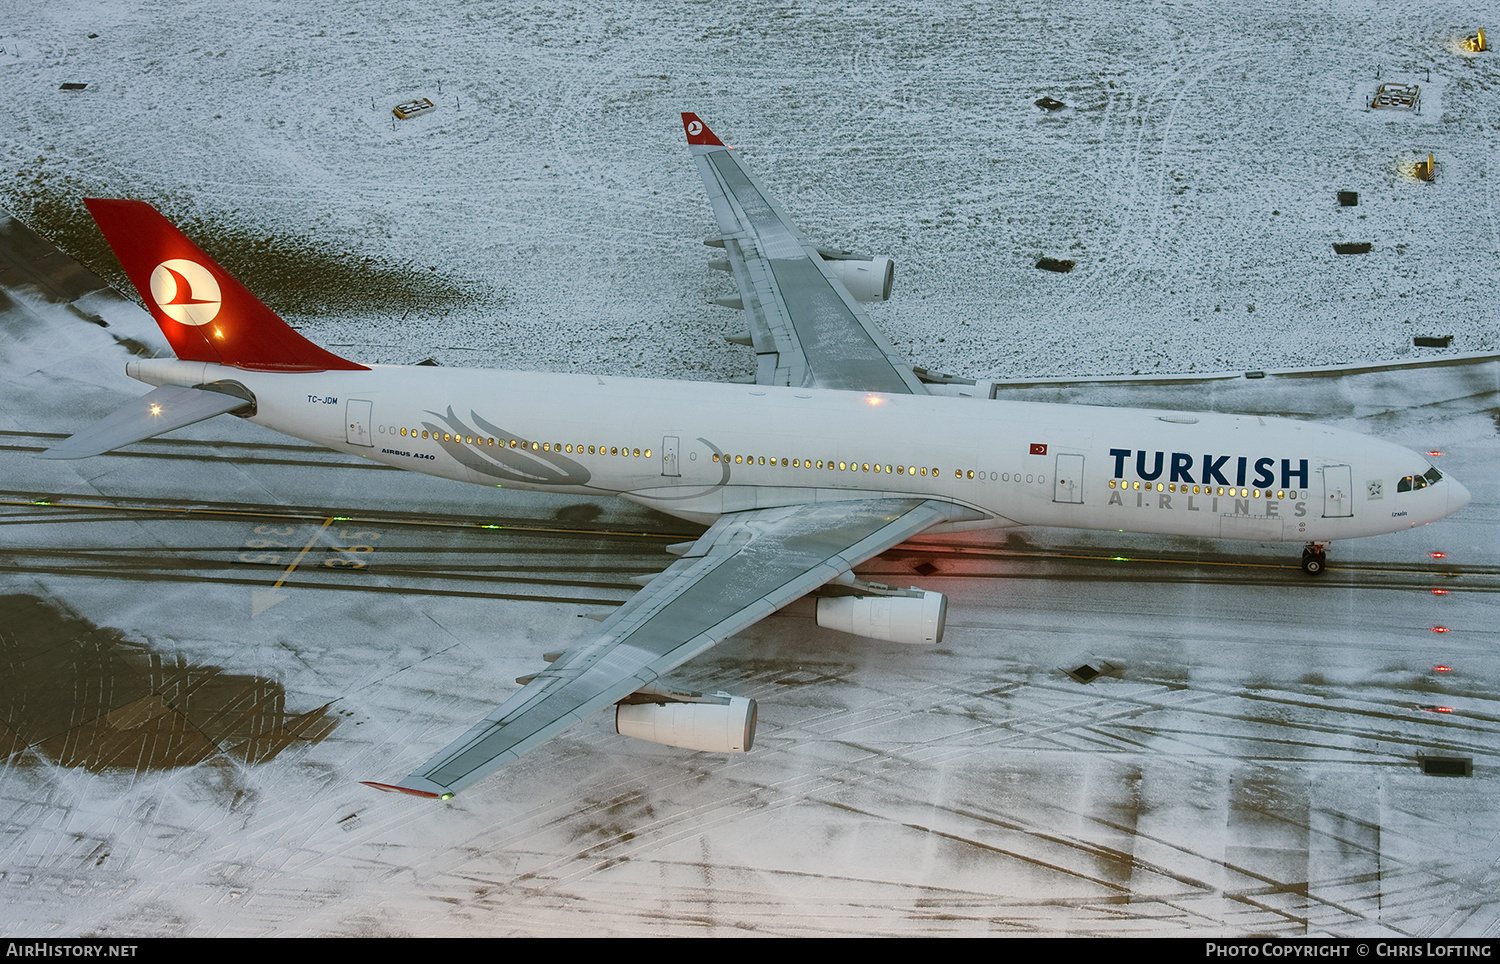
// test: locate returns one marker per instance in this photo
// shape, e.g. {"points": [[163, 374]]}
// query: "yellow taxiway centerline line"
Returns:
{"points": [[305, 550]]}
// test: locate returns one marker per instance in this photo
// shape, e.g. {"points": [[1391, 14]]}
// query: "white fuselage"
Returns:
{"points": [[698, 450]]}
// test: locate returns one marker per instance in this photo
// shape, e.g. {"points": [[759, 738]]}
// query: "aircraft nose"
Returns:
{"points": [[1458, 496]]}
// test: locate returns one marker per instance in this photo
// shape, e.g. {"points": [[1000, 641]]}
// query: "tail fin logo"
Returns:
{"points": [[186, 291]]}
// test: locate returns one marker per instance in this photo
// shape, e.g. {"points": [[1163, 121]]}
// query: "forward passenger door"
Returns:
{"points": [[1067, 484]]}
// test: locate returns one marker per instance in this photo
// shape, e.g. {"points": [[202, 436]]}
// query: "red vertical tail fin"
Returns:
{"points": [[205, 313]]}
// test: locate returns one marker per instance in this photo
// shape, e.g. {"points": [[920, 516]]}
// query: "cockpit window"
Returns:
{"points": [[1413, 482]]}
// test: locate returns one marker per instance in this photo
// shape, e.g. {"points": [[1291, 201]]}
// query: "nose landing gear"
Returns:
{"points": [[1314, 558]]}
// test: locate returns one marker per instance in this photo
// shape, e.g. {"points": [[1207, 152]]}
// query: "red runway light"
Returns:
{"points": [[1442, 669], [1434, 454], [1440, 592], [1438, 555], [1440, 629]]}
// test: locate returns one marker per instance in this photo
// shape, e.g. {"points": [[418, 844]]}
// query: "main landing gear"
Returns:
{"points": [[1314, 558]]}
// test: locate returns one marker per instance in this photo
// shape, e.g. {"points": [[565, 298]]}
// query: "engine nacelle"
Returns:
{"points": [[718, 727], [916, 619], [868, 279]]}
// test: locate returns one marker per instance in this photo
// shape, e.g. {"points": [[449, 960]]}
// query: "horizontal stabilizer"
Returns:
{"points": [[169, 407]]}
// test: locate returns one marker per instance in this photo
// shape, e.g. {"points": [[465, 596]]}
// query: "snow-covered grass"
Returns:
{"points": [[548, 217], [1249, 770]]}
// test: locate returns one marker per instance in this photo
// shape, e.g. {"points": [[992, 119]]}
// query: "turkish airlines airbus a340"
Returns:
{"points": [[837, 453]]}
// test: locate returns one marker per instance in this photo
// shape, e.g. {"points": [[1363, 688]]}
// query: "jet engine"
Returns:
{"points": [[867, 278], [718, 724], [914, 616]]}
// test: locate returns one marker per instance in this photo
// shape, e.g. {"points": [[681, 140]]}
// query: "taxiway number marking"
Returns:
{"points": [[352, 551]]}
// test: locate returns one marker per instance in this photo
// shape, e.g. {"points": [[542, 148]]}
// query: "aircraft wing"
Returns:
{"points": [[747, 566], [808, 331], [167, 408]]}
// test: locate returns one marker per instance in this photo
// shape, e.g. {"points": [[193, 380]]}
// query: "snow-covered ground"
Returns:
{"points": [[546, 215], [1248, 768]]}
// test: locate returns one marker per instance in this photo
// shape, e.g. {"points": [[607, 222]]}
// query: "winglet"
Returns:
{"points": [[206, 314], [698, 134], [392, 788]]}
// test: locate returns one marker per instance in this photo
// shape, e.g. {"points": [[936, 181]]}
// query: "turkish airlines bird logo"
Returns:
{"points": [[695, 128], [186, 291]]}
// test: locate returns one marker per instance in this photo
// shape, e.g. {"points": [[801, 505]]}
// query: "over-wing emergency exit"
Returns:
{"points": [[836, 453]]}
